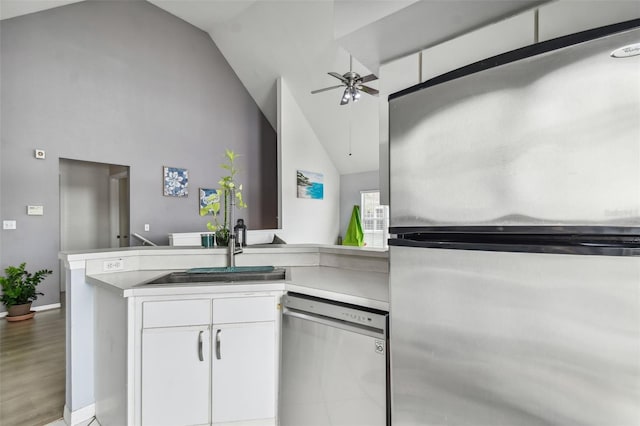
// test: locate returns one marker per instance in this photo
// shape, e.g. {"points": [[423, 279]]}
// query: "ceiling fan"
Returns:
{"points": [[353, 84]]}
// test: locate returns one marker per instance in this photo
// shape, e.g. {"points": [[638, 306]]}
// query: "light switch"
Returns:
{"points": [[146, 226], [8, 224]]}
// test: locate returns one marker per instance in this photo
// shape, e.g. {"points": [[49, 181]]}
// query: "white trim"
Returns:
{"points": [[78, 416], [46, 307], [37, 308], [260, 422], [74, 264]]}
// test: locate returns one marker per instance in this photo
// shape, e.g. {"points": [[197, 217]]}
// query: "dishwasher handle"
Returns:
{"points": [[343, 325]]}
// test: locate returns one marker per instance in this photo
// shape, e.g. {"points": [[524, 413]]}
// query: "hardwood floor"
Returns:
{"points": [[32, 369]]}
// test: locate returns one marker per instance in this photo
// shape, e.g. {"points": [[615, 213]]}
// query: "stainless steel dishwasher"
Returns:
{"points": [[334, 367]]}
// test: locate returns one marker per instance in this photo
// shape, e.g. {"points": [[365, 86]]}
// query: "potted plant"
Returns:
{"points": [[19, 289], [228, 188]]}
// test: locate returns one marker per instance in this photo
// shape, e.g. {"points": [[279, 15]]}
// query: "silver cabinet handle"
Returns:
{"points": [[200, 355], [218, 333]]}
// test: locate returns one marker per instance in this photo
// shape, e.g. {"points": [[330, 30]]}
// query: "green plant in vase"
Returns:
{"points": [[19, 288], [223, 198]]}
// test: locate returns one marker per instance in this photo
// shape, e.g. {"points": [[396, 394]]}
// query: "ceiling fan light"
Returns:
{"points": [[345, 95]]}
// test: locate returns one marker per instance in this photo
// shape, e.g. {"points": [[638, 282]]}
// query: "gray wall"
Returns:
{"points": [[120, 82], [350, 187]]}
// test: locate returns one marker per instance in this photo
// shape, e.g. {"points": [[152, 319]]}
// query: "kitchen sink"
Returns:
{"points": [[222, 274]]}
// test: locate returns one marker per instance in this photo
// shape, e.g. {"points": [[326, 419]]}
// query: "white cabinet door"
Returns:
{"points": [[560, 18], [243, 371], [175, 376], [503, 36]]}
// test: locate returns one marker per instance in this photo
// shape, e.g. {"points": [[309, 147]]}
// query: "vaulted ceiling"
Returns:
{"points": [[302, 40]]}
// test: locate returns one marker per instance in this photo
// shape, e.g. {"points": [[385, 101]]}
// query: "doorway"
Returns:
{"points": [[94, 206], [119, 206]]}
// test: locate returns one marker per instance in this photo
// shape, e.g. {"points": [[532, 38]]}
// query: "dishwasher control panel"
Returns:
{"points": [[336, 310]]}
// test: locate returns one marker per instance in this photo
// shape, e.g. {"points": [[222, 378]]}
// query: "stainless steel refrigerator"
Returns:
{"points": [[515, 266]]}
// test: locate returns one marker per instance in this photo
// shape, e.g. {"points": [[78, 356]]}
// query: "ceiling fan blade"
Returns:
{"points": [[367, 78], [369, 90], [326, 88], [338, 76]]}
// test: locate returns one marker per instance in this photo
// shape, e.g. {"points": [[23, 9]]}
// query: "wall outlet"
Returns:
{"points": [[113, 265], [8, 224]]}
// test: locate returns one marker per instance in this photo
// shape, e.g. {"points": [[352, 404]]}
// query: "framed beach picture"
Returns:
{"points": [[310, 185], [175, 182], [207, 197]]}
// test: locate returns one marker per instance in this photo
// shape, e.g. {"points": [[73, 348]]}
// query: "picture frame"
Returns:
{"points": [[175, 182], [205, 200], [310, 185]]}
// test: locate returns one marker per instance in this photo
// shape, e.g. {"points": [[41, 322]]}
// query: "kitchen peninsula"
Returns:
{"points": [[107, 289]]}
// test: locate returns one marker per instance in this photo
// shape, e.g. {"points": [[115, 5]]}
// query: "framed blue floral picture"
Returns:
{"points": [[207, 197], [176, 182]]}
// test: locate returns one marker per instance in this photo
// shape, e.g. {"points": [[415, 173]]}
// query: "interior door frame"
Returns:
{"points": [[119, 209]]}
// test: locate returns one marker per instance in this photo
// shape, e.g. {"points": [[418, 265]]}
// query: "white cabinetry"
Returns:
{"points": [[565, 17], [207, 360], [175, 376], [192, 359], [243, 370], [174, 362], [244, 359], [503, 36]]}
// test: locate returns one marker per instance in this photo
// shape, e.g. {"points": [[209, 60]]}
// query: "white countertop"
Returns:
{"points": [[191, 250], [363, 288]]}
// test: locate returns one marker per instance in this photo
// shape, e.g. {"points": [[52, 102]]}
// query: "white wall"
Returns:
{"points": [[304, 220], [350, 187]]}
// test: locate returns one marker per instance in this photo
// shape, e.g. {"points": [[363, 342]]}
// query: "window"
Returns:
{"points": [[375, 219]]}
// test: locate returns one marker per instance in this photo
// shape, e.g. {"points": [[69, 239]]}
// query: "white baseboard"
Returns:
{"points": [[78, 416], [37, 308], [45, 307], [258, 422]]}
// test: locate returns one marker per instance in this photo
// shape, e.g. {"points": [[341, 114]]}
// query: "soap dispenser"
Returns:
{"points": [[241, 233]]}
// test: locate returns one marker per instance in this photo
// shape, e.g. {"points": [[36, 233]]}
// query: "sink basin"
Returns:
{"points": [[222, 274]]}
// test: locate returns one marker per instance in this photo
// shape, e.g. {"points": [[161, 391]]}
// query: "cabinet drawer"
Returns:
{"points": [[172, 313], [244, 309]]}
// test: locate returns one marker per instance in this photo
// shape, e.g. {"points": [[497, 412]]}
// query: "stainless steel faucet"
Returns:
{"points": [[233, 250]]}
